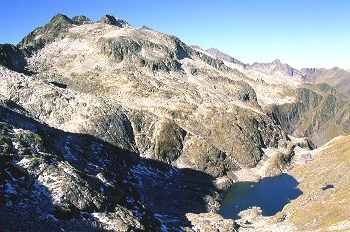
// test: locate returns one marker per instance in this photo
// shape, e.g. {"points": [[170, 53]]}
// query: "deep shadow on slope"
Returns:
{"points": [[151, 189], [26, 204], [13, 58]]}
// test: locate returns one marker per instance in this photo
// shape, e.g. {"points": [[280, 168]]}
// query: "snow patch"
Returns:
{"points": [[68, 154], [8, 204], [25, 162], [50, 216], [10, 189], [103, 179], [166, 222]]}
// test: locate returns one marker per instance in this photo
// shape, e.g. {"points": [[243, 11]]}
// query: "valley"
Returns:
{"points": [[109, 127]]}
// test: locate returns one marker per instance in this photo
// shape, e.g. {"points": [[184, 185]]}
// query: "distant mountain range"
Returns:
{"points": [[108, 127], [336, 77]]}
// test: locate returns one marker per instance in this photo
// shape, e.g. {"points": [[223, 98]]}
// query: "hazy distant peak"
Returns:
{"points": [[277, 61], [111, 20], [336, 68], [146, 28], [223, 56], [276, 67], [274, 62]]}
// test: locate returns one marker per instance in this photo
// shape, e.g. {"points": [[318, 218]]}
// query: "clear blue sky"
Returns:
{"points": [[302, 33]]}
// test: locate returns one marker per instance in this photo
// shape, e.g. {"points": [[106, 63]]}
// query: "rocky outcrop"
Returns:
{"points": [[111, 20], [81, 20], [319, 115], [200, 154], [13, 58], [118, 49], [130, 50], [211, 222]]}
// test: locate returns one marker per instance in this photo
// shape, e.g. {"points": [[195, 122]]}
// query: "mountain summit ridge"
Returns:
{"points": [[336, 77], [110, 19]]}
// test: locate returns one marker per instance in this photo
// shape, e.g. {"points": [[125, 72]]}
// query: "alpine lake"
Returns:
{"points": [[271, 194]]}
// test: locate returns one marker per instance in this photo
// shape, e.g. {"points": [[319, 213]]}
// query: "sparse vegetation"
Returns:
{"points": [[318, 209]]}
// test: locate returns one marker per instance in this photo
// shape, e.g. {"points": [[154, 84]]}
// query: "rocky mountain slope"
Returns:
{"points": [[117, 128], [325, 189], [335, 77], [320, 106]]}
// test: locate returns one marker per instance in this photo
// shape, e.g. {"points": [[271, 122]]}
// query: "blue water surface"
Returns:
{"points": [[270, 194]]}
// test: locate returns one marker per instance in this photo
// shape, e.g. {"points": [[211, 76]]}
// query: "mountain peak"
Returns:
{"points": [[223, 56], [276, 67], [37, 39], [81, 19], [111, 20], [277, 61], [60, 18]]}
